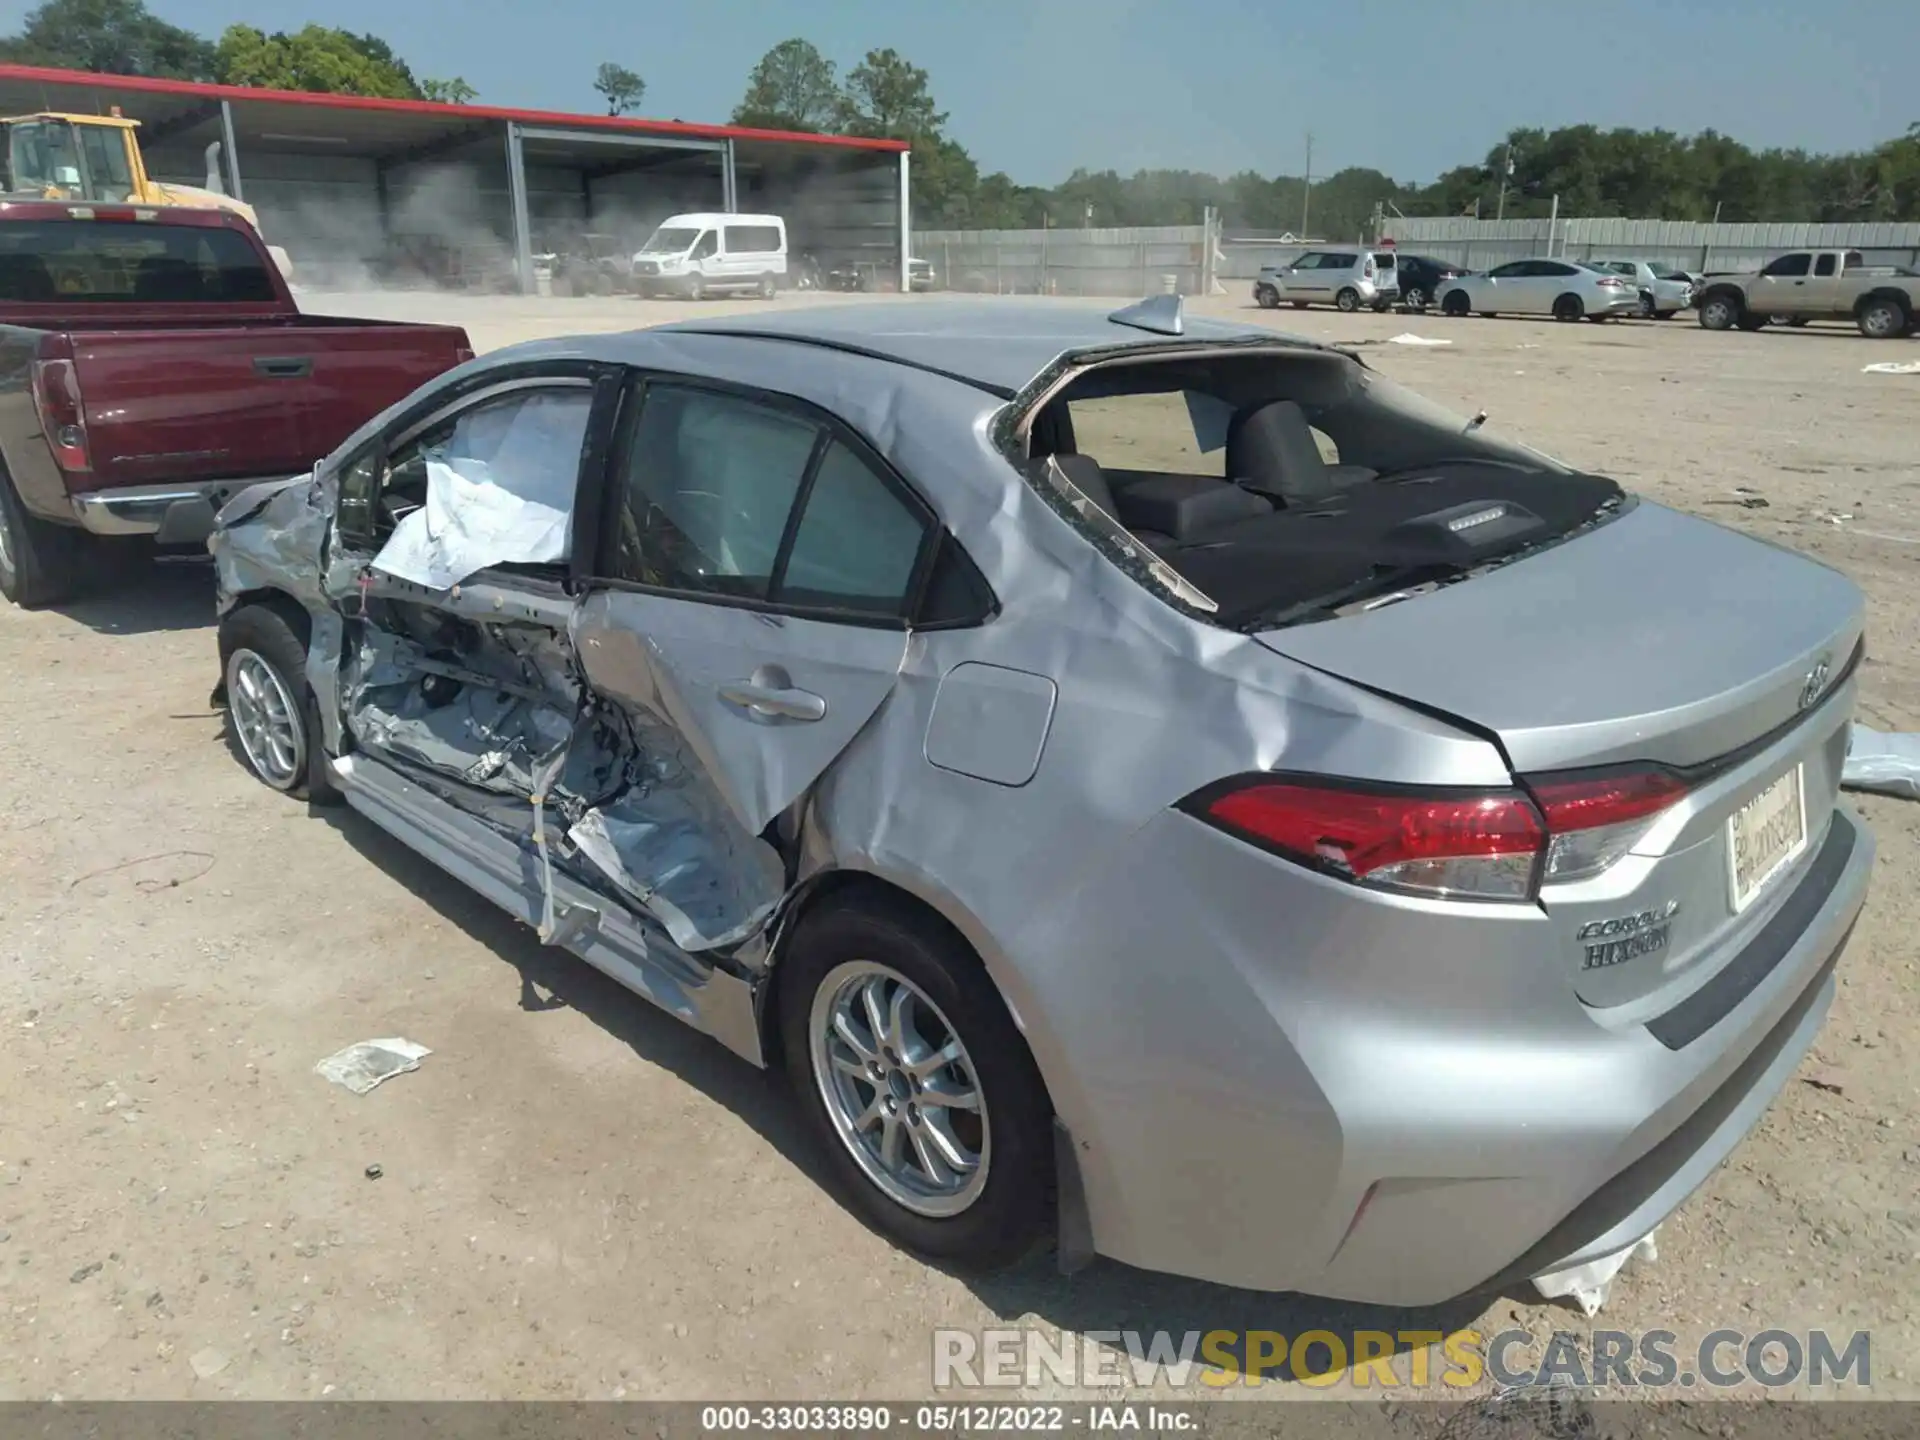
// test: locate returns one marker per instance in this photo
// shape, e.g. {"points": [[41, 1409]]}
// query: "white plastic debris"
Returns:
{"points": [[1892, 367], [1589, 1285], [1412, 339], [1887, 764], [499, 491], [361, 1067]]}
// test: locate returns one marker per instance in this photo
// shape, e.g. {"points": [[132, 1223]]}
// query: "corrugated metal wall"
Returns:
{"points": [[1113, 262], [1687, 244]]}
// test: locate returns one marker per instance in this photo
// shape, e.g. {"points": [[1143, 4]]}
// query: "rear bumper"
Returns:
{"points": [[180, 514], [1365, 1110]]}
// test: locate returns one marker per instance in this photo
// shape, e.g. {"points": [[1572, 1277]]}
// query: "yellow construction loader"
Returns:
{"points": [[51, 156]]}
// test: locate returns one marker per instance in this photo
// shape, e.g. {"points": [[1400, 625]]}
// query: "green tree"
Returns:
{"points": [[887, 97], [791, 88], [620, 88], [113, 37], [449, 92], [313, 59]]}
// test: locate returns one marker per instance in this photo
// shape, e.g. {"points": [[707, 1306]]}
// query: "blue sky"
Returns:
{"points": [[1410, 87]]}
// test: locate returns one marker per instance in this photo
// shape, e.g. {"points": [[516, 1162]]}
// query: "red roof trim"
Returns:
{"points": [[619, 124]]}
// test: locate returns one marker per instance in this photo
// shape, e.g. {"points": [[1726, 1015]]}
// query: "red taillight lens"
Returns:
{"points": [[56, 395], [1596, 819], [1480, 845]]}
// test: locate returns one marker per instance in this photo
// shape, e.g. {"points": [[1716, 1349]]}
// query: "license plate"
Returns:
{"points": [[1766, 834]]}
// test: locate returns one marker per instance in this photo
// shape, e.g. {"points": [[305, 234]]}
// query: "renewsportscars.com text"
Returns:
{"points": [[1401, 1360]]}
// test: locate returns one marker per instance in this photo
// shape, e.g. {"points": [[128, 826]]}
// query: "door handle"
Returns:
{"points": [[770, 700], [284, 367]]}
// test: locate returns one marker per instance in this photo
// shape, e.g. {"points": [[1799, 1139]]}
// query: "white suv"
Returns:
{"points": [[1347, 279]]}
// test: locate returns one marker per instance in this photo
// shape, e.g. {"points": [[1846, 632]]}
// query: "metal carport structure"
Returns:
{"points": [[336, 177]]}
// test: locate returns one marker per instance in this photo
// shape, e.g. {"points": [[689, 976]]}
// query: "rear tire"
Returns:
{"points": [[1568, 308], [1883, 320], [985, 1219], [769, 287], [1347, 300], [270, 709], [40, 564], [1647, 308], [1415, 299], [1266, 297]]}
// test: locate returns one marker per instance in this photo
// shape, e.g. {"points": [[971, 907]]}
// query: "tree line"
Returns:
{"points": [[1638, 174]]}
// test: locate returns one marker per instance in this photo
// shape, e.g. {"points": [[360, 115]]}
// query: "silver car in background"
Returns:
{"points": [[1664, 291], [1149, 781], [1347, 279], [1540, 286]]}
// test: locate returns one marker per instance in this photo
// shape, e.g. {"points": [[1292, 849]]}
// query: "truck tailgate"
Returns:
{"points": [[204, 404], [360, 367], [243, 402]]}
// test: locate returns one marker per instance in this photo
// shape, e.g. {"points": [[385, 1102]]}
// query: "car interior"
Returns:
{"points": [[1331, 481]]}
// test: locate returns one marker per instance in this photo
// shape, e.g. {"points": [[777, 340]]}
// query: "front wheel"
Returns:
{"points": [[1718, 312], [1348, 300], [696, 288], [270, 710], [1266, 297], [1647, 308], [1456, 304], [920, 1090]]}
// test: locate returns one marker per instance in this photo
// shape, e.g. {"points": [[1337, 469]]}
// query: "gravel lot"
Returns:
{"points": [[578, 1198]]}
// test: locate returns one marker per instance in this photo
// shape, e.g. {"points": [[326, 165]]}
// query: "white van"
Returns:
{"points": [[696, 255]]}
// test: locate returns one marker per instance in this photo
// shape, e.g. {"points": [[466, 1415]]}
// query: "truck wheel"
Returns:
{"points": [[39, 563], [1718, 312], [919, 1090], [696, 288], [1883, 320], [270, 709], [769, 287]]}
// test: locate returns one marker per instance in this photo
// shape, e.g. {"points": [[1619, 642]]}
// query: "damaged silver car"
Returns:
{"points": [[1150, 781]]}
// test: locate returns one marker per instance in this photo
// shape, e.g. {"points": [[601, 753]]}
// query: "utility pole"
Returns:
{"points": [[1306, 190], [1506, 174]]}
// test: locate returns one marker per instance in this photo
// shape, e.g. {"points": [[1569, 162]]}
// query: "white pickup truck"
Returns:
{"points": [[1803, 285]]}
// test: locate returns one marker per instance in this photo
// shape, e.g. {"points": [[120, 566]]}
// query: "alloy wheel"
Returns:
{"points": [[267, 719], [899, 1089]]}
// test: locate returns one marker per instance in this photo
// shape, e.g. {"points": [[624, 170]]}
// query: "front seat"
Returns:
{"points": [[1271, 451]]}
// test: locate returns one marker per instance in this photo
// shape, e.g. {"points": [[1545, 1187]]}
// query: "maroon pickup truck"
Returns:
{"points": [[152, 363]]}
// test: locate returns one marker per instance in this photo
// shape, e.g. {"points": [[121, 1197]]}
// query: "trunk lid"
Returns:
{"points": [[1661, 639], [1656, 637]]}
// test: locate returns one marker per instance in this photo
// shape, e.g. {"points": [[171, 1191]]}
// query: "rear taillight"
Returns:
{"points": [[56, 396], [1596, 819], [1482, 845], [1366, 270], [1472, 845]]}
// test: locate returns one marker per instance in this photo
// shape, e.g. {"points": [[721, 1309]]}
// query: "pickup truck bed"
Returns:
{"points": [[152, 366]]}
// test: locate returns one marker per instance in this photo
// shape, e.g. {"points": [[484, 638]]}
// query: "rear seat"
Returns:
{"points": [[1166, 512]]}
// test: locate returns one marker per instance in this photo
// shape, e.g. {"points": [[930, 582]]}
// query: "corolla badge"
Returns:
{"points": [[1606, 943], [1815, 684]]}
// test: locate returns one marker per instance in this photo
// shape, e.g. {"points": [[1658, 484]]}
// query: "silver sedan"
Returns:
{"points": [[1540, 286], [1147, 781], [1664, 291]]}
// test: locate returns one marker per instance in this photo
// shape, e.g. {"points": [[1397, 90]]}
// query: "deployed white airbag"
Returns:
{"points": [[499, 491]]}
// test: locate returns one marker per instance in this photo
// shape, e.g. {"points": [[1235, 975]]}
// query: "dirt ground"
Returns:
{"points": [[577, 1197]]}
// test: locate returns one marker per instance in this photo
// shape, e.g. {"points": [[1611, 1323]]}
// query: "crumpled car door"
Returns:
{"points": [[766, 702]]}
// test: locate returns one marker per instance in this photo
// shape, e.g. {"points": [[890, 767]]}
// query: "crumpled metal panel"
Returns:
{"points": [[269, 537]]}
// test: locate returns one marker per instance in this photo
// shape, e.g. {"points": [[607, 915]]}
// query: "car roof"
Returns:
{"points": [[996, 344]]}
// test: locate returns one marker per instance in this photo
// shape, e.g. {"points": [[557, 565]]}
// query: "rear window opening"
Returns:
{"points": [[1287, 488], [96, 262]]}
